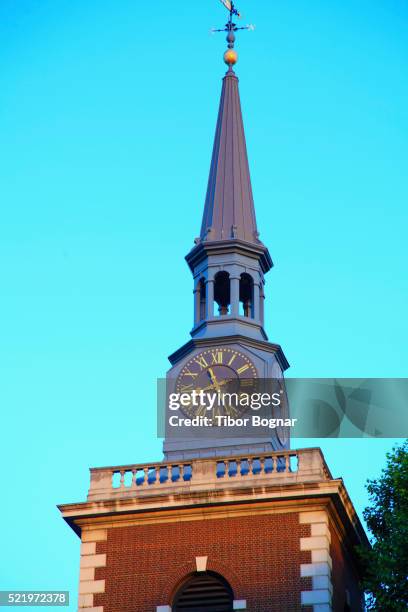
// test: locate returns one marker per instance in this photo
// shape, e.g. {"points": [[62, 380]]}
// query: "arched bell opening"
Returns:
{"points": [[246, 295], [203, 592], [222, 293]]}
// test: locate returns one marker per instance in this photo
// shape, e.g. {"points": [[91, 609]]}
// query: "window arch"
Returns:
{"points": [[222, 292], [204, 592], [246, 295]]}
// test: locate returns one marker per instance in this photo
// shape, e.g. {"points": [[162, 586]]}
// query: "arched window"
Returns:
{"points": [[222, 292], [204, 592], [246, 295]]}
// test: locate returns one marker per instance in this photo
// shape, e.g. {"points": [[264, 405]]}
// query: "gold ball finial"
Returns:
{"points": [[230, 57]]}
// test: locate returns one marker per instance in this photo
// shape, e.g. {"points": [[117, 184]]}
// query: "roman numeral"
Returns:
{"points": [[231, 360], [243, 368], [201, 362], [185, 387], [217, 357], [192, 374]]}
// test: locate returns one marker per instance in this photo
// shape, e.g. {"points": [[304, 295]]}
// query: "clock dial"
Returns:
{"points": [[215, 370]]}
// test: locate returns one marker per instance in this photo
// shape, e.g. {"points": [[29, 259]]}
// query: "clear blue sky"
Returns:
{"points": [[107, 115]]}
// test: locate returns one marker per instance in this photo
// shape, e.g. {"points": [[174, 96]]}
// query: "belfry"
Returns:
{"points": [[221, 523]]}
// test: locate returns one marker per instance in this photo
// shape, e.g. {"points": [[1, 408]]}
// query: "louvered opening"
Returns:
{"points": [[206, 592]]}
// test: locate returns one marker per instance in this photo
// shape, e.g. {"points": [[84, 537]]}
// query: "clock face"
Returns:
{"points": [[215, 370]]}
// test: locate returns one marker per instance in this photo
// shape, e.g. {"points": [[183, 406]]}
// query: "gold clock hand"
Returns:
{"points": [[220, 383], [212, 375]]}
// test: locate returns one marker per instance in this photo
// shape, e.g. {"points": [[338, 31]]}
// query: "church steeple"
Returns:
{"points": [[229, 207], [229, 260], [228, 263]]}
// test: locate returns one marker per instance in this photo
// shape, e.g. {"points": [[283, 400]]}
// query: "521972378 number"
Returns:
{"points": [[34, 598]]}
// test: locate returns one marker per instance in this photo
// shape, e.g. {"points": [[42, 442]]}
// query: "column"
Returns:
{"points": [[261, 304], [256, 309], [234, 294], [210, 298], [196, 294]]}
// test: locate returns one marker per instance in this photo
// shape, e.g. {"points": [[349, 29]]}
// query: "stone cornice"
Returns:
{"points": [[227, 503], [276, 349], [220, 247]]}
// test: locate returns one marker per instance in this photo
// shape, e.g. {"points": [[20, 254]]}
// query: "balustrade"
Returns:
{"points": [[306, 465]]}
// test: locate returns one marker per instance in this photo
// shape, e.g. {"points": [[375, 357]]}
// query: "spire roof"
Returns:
{"points": [[229, 211]]}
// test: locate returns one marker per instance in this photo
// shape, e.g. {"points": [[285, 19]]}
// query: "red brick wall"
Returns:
{"points": [[259, 556], [344, 577]]}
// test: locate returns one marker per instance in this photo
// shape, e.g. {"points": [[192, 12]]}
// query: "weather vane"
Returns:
{"points": [[231, 56]]}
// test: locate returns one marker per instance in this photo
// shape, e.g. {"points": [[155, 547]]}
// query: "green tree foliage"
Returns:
{"points": [[386, 563]]}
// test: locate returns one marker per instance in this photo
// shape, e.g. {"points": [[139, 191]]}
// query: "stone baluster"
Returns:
{"points": [[226, 462], [250, 466], [181, 472], [261, 465], [122, 479], [274, 465], [296, 455]]}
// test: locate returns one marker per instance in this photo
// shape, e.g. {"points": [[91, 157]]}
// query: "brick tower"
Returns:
{"points": [[223, 524]]}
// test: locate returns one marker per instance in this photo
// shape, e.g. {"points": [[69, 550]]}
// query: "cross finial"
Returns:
{"points": [[230, 55]]}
